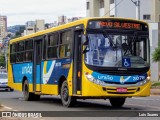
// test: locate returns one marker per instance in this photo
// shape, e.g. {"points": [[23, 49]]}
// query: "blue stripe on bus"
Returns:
{"points": [[119, 79], [26, 69], [22, 69], [38, 75], [58, 71]]}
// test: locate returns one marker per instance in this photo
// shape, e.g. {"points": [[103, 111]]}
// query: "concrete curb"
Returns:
{"points": [[155, 87], [1, 107], [155, 91]]}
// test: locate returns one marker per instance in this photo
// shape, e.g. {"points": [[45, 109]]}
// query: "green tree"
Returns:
{"points": [[2, 60], [156, 55], [18, 33], [21, 29]]}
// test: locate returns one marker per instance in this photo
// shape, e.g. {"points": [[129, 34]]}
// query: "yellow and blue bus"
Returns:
{"points": [[91, 58]]}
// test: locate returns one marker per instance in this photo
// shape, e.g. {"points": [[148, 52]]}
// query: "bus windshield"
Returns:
{"points": [[110, 50]]}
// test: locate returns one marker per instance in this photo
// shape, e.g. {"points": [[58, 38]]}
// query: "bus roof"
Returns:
{"points": [[68, 25]]}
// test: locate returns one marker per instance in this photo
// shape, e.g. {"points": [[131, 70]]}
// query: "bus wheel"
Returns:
{"points": [[67, 100], [117, 102], [11, 89], [27, 95]]}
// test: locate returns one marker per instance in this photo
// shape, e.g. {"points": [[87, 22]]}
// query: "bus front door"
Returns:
{"points": [[37, 65], [77, 63]]}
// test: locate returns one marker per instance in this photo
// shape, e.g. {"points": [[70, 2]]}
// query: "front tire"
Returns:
{"points": [[28, 96], [117, 102], [67, 100], [11, 89]]}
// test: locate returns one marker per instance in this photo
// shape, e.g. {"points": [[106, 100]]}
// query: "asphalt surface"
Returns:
{"points": [[13, 101]]}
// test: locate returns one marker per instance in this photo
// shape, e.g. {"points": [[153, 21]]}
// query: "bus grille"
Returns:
{"points": [[129, 90], [128, 83]]}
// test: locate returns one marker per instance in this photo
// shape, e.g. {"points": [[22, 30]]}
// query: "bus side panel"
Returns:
{"points": [[51, 72], [10, 76], [70, 80], [20, 71]]}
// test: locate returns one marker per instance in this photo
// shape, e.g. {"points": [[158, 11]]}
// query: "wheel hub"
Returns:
{"points": [[65, 94]]}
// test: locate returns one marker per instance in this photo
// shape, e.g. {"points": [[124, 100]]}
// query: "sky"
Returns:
{"points": [[18, 12]]}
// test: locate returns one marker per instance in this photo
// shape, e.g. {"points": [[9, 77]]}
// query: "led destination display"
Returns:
{"points": [[112, 24]]}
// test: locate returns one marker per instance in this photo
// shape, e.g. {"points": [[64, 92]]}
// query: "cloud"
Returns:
{"points": [[24, 10]]}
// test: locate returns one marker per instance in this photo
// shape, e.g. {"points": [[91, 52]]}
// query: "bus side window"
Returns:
{"points": [[62, 51], [44, 46], [28, 50], [13, 53], [65, 44], [53, 45], [20, 51]]}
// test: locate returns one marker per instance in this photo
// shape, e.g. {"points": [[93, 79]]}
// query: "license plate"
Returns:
{"points": [[122, 90]]}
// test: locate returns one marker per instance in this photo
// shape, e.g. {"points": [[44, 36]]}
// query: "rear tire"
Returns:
{"points": [[67, 100], [117, 102], [28, 96]]}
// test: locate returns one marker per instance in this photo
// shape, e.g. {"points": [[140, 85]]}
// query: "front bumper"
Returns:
{"points": [[4, 85], [94, 90]]}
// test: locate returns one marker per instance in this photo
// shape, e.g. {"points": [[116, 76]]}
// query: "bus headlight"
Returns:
{"points": [[148, 78], [142, 82], [96, 81]]}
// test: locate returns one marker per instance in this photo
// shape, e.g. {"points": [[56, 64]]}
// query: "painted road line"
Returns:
{"points": [[15, 110], [158, 96], [21, 98], [142, 106], [135, 105], [149, 99], [6, 107]]}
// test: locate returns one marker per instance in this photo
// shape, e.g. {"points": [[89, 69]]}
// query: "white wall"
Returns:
{"points": [[88, 13], [128, 9], [146, 8], [101, 12], [153, 44], [112, 9]]}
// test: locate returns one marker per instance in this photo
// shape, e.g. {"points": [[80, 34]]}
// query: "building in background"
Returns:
{"points": [[34, 26], [3, 26], [54, 24], [149, 9], [74, 19], [30, 27], [149, 12], [3, 29], [62, 20]]}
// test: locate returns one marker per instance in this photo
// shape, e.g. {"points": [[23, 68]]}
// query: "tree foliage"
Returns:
{"points": [[2, 60], [19, 33], [156, 55]]}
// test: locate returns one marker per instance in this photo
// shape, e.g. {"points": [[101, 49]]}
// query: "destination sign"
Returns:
{"points": [[120, 25], [109, 24]]}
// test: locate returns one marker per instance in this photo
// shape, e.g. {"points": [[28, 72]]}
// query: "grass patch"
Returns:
{"points": [[156, 84]]}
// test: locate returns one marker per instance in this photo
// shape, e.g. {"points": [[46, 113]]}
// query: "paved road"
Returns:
{"points": [[13, 101]]}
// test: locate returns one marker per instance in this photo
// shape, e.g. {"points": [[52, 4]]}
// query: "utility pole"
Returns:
{"points": [[137, 4]]}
